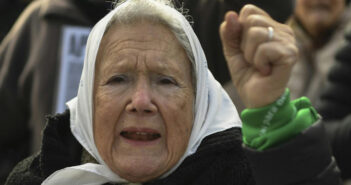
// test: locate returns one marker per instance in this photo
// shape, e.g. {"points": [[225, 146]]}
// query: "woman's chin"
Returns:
{"points": [[141, 169]]}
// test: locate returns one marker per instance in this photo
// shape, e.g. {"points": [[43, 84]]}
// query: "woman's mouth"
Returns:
{"points": [[143, 136], [140, 134]]}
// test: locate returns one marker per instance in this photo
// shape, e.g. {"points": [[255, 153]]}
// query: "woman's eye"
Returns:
{"points": [[167, 81], [117, 79]]}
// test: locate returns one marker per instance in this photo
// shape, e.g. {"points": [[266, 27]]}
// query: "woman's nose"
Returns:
{"points": [[141, 101]]}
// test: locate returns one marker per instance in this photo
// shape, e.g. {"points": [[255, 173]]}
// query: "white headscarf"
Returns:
{"points": [[214, 110]]}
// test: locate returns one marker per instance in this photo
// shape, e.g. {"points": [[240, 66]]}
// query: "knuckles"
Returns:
{"points": [[292, 54], [256, 34], [255, 23], [288, 30], [248, 10], [255, 20]]}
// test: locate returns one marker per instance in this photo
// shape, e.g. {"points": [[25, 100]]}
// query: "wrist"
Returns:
{"points": [[263, 101], [277, 112]]}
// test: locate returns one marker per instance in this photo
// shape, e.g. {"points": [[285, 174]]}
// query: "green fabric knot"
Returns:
{"points": [[276, 123]]}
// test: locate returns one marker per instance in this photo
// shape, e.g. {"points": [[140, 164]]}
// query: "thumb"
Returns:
{"points": [[230, 33]]}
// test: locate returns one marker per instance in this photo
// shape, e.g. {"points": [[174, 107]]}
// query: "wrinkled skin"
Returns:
{"points": [[143, 100], [143, 96], [260, 68]]}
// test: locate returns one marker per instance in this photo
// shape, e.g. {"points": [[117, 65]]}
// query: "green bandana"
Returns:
{"points": [[276, 123]]}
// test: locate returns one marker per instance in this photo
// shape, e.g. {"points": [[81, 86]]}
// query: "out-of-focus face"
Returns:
{"points": [[319, 15], [143, 100]]}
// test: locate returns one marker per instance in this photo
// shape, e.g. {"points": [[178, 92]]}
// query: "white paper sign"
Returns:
{"points": [[72, 58]]}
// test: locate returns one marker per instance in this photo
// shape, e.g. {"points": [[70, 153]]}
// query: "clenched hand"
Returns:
{"points": [[259, 58]]}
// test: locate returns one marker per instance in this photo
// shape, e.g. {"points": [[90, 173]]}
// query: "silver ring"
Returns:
{"points": [[270, 33]]}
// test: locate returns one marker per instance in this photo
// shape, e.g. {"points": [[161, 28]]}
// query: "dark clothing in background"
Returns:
{"points": [[9, 12], [335, 107], [335, 98], [220, 159], [29, 63]]}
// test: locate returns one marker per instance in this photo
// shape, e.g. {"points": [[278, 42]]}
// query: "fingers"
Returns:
{"points": [[256, 35], [259, 59], [255, 32], [252, 39], [273, 53], [249, 9], [230, 34]]}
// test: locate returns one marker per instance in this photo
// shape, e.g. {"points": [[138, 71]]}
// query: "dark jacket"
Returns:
{"points": [[335, 107], [29, 61], [10, 10], [220, 159], [335, 100]]}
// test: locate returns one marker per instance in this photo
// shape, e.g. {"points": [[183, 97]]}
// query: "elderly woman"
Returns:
{"points": [[148, 110]]}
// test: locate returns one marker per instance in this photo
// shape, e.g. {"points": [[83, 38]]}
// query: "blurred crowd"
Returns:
{"points": [[43, 44]]}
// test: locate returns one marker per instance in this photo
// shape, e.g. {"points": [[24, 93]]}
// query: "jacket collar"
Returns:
{"points": [[64, 9]]}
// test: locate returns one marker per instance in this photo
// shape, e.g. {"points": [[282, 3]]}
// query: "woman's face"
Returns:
{"points": [[319, 15], [143, 100]]}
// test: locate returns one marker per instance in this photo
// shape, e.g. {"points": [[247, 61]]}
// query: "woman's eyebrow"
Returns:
{"points": [[166, 65]]}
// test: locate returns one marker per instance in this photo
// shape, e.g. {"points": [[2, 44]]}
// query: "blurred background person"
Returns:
{"points": [[42, 56], [45, 48], [319, 28], [9, 11], [323, 70], [335, 107]]}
